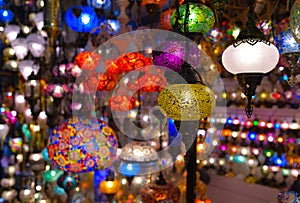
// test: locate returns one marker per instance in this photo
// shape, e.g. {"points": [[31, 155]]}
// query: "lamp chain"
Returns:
{"points": [[251, 12]]}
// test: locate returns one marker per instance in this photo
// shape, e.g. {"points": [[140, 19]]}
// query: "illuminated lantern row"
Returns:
{"points": [[79, 145]]}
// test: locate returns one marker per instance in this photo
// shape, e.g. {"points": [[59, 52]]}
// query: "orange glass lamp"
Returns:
{"points": [[87, 60], [128, 62], [110, 186], [149, 83], [121, 103], [99, 82]]}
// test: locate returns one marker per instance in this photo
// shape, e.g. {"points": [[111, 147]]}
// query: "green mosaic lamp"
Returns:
{"points": [[194, 17]]}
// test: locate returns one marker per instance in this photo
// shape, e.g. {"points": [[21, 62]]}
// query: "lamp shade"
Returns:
{"points": [[286, 43], [172, 55], [81, 18], [87, 60], [20, 46], [27, 66], [11, 32], [52, 175], [250, 56], [121, 103], [129, 62], [39, 21], [295, 20], [187, 101], [200, 19], [36, 44], [6, 16], [149, 83], [110, 187], [81, 145], [139, 151]]}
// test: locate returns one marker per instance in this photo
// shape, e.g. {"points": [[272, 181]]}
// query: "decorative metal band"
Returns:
{"points": [[251, 41]]}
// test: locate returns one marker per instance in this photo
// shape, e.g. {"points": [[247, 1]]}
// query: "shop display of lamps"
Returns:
{"points": [[250, 57]]}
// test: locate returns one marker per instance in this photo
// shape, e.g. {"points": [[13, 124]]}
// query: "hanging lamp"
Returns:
{"points": [[250, 57], [193, 18], [295, 20]]}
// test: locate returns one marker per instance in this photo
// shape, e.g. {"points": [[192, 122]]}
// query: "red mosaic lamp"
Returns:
{"points": [[87, 60], [121, 103]]}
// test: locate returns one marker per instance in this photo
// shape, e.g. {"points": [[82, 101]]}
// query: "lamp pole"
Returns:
{"points": [[188, 130]]}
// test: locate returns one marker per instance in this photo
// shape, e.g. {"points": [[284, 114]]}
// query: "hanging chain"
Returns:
{"points": [[251, 10]]}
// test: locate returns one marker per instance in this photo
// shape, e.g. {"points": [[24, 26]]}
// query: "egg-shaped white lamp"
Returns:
{"points": [[11, 32], [250, 57]]}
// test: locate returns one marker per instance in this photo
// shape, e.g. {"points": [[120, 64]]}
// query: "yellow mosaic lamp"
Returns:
{"points": [[187, 102]]}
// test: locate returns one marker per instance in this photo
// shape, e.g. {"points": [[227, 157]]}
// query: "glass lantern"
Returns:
{"points": [[20, 46], [26, 67], [104, 4], [39, 20], [187, 101], [200, 19], [11, 32], [6, 16], [81, 18], [36, 44]]}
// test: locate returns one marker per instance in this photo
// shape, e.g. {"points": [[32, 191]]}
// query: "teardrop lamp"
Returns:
{"points": [[249, 58]]}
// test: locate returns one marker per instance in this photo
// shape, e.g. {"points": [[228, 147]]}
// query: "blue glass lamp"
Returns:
{"points": [[130, 169], [105, 4], [81, 18], [6, 16], [286, 43]]}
